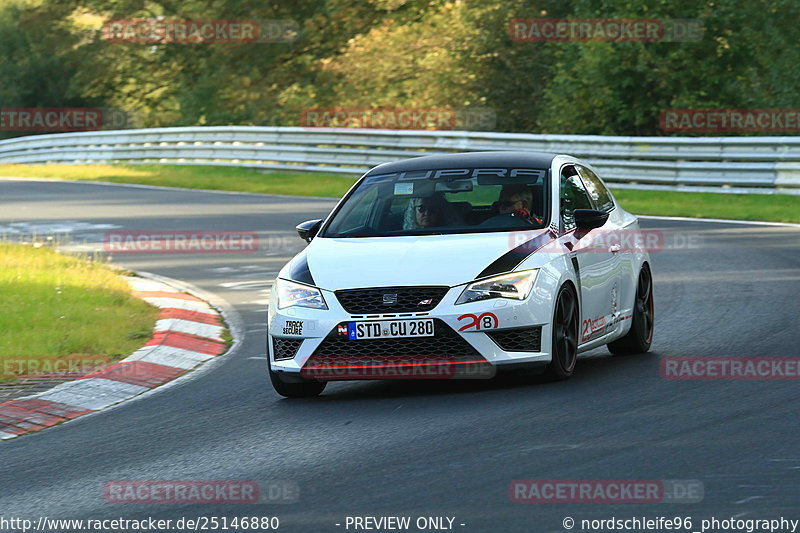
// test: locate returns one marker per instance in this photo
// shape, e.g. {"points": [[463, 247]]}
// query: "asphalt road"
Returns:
{"points": [[425, 449]]}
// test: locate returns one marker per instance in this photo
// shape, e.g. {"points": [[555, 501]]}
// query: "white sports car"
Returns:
{"points": [[454, 266]]}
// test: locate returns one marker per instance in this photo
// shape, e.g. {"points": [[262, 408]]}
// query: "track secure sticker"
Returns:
{"points": [[293, 327]]}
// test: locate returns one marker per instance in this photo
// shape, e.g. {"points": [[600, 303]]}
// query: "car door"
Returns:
{"points": [[594, 264], [612, 242]]}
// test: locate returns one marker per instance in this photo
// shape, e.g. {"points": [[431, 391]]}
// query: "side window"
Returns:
{"points": [[573, 196], [597, 191]]}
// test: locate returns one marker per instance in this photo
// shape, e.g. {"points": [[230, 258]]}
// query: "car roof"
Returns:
{"points": [[471, 160]]}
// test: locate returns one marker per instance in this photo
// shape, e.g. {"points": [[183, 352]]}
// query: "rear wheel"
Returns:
{"points": [[297, 388], [565, 335], [640, 336]]}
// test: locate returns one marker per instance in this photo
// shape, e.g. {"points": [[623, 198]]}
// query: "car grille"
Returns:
{"points": [[518, 340], [285, 348], [445, 345], [408, 299]]}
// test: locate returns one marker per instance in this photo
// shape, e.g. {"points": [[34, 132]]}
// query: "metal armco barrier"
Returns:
{"points": [[716, 164]]}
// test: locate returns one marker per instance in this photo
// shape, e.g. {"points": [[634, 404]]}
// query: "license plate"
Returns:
{"points": [[390, 329]]}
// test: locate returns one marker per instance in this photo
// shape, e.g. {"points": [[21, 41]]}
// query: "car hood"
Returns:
{"points": [[409, 260]]}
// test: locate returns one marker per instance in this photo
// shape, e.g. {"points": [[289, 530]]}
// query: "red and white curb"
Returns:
{"points": [[188, 333]]}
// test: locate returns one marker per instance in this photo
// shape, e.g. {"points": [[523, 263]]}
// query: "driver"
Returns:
{"points": [[517, 200]]}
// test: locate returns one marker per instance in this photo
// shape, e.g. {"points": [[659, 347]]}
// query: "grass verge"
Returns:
{"points": [[194, 177], [63, 314], [764, 207], [775, 208]]}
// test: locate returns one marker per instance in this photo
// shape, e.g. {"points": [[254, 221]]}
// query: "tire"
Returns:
{"points": [[564, 348], [640, 336], [300, 389]]}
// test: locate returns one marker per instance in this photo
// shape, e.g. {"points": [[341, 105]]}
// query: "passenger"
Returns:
{"points": [[429, 212]]}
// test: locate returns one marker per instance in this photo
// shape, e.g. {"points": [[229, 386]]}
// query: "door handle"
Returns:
{"points": [[614, 248]]}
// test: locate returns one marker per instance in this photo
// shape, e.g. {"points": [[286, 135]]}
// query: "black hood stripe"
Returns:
{"points": [[299, 271], [508, 261]]}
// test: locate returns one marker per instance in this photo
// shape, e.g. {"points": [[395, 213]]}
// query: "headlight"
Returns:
{"points": [[294, 294], [516, 285]]}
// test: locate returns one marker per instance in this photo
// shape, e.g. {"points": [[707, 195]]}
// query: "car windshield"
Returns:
{"points": [[437, 201]]}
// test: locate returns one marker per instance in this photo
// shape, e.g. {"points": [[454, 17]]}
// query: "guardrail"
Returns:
{"points": [[719, 164]]}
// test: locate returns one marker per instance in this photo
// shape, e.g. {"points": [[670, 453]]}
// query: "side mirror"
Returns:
{"points": [[308, 229], [589, 218]]}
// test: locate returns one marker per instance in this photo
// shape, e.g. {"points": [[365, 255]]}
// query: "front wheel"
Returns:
{"points": [[565, 336], [640, 336]]}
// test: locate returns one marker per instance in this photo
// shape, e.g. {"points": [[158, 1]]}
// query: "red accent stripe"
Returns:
{"points": [[187, 342], [166, 294], [395, 365], [141, 373], [194, 316]]}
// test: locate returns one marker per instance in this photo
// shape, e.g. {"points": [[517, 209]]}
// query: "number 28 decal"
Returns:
{"points": [[590, 327], [482, 321]]}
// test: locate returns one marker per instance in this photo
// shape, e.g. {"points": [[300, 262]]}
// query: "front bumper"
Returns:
{"points": [[468, 339]]}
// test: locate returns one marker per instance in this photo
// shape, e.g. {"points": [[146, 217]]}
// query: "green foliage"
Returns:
{"points": [[38, 61], [411, 53]]}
